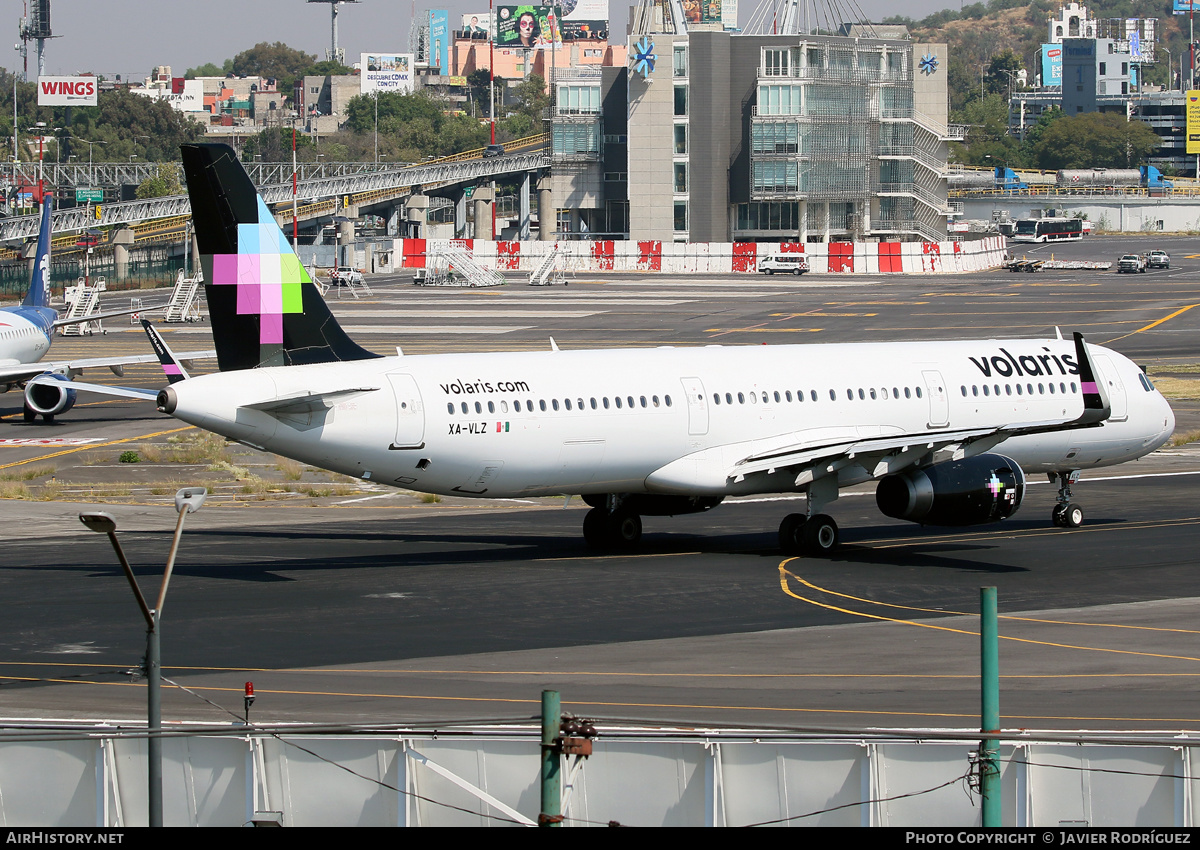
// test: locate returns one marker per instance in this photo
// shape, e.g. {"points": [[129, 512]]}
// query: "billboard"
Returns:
{"points": [[1052, 64], [722, 12], [528, 27], [385, 72], [1182, 7], [479, 23], [584, 19], [1193, 121], [439, 40], [67, 91]]}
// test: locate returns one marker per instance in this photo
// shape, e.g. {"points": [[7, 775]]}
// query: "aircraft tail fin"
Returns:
{"points": [[171, 366], [263, 305], [39, 283]]}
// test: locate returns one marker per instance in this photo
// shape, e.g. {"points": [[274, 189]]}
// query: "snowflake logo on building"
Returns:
{"points": [[929, 64], [644, 58]]}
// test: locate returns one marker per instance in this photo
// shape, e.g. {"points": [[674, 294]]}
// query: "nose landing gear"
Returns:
{"points": [[1066, 514]]}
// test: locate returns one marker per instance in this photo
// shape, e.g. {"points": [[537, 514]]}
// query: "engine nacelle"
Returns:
{"points": [[980, 489], [50, 399], [647, 504]]}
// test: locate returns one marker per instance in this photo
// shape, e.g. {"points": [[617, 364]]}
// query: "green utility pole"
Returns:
{"points": [[551, 779], [989, 682]]}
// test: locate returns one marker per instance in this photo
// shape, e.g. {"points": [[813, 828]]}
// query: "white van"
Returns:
{"points": [[785, 263]]}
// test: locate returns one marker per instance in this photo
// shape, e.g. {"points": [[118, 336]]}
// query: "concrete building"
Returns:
{"points": [[738, 137]]}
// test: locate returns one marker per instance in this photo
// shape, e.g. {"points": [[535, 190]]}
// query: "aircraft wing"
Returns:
{"points": [[16, 372]]}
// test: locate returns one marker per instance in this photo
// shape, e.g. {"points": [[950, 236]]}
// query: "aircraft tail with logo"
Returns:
{"points": [[264, 307]]}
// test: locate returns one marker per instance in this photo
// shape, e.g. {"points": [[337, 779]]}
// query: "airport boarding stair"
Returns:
{"points": [[549, 271], [453, 266], [184, 305], [83, 301]]}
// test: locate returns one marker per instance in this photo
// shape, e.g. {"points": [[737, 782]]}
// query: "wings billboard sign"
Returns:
{"points": [[67, 91]]}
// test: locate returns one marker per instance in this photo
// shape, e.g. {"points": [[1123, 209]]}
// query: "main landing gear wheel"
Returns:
{"points": [[30, 414], [790, 530], [820, 535], [801, 535], [621, 530]]}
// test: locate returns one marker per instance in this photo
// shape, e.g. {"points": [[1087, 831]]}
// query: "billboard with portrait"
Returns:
{"points": [[528, 27], [478, 23], [389, 72]]}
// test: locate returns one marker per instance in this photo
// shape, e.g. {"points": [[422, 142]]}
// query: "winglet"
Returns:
{"points": [[39, 282], [1096, 407], [170, 364]]}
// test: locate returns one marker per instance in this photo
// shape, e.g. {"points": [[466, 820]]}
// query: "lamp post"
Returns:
{"points": [[187, 500]]}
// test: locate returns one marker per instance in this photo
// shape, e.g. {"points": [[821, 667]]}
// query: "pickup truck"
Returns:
{"points": [[1131, 263], [345, 276], [1158, 260]]}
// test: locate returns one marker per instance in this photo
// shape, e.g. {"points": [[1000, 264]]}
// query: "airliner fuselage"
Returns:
{"points": [[669, 420]]}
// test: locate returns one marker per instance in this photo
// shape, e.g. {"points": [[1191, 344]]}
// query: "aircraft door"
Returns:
{"points": [[1114, 387], [939, 399], [410, 412], [697, 405]]}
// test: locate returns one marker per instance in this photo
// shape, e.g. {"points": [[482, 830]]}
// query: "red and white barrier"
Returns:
{"points": [[718, 257]]}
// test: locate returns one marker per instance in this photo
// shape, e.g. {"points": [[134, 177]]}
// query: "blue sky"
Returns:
{"points": [[130, 37]]}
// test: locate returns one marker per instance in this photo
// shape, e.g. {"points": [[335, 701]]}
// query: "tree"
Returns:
{"points": [[208, 69], [531, 97], [165, 182], [276, 60], [1094, 140], [1002, 72], [275, 145]]}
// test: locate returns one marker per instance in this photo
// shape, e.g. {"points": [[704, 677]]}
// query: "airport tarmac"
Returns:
{"points": [[347, 604]]}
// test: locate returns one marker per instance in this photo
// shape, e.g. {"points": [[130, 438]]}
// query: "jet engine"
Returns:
{"points": [[50, 399], [980, 489]]}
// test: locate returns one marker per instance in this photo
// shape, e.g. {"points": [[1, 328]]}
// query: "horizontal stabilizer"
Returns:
{"points": [[101, 389]]}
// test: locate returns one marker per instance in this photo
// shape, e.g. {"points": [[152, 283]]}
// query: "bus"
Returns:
{"points": [[1048, 229]]}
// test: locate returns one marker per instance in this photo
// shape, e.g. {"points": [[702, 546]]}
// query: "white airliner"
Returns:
{"points": [[948, 429], [27, 331]]}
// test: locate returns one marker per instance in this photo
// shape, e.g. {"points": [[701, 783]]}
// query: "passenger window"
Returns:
{"points": [[849, 395], [833, 395], [918, 392], [861, 395], [985, 389], [777, 397], [618, 401], [895, 392], [606, 402], [542, 404], [766, 399], [464, 407], [906, 393], [667, 399], [593, 402], [554, 403], [873, 397], [450, 407], [566, 402], [741, 398], [491, 407], [654, 400], [754, 398], [643, 400], [814, 394], [788, 395], [964, 390], [478, 407], [517, 406], [716, 398], [1051, 389], [629, 400]]}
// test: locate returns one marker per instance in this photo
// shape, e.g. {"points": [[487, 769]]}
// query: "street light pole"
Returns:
{"points": [[187, 500]]}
